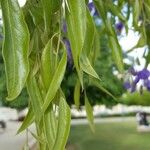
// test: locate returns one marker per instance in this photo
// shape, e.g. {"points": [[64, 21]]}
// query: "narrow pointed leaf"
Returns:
{"points": [[136, 12], [87, 67], [101, 8], [89, 112], [39, 139], [49, 7], [36, 11], [56, 81], [90, 34], [77, 94], [76, 22], [114, 9], [116, 52], [96, 83], [27, 121], [35, 96], [46, 67], [15, 47], [50, 125], [64, 121], [76, 25], [147, 8], [26, 147], [47, 11], [95, 53]]}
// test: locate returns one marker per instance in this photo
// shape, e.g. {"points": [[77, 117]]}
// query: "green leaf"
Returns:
{"points": [[87, 67], [96, 83], [147, 9], [89, 47], [136, 12], [28, 19], [50, 125], [77, 94], [90, 34], [89, 112], [76, 22], [116, 52], [27, 121], [26, 147], [114, 9], [95, 53], [101, 8], [46, 66], [76, 26], [35, 97], [39, 139], [56, 81], [47, 10], [109, 29], [35, 43], [49, 7], [15, 47], [64, 121], [36, 11]]}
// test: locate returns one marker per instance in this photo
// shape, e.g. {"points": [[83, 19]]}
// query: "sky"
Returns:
{"points": [[21, 2], [127, 42]]}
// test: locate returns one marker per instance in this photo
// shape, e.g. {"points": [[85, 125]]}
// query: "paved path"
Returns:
{"points": [[10, 141]]}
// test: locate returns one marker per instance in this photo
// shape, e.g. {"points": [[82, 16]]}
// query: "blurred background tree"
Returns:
{"points": [[105, 67], [136, 98]]}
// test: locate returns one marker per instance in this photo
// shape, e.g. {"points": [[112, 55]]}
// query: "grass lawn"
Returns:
{"points": [[109, 136]]}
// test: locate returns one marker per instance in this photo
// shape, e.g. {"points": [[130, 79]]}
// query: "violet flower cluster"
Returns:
{"points": [[92, 9], [119, 26], [142, 75], [68, 46], [69, 54]]}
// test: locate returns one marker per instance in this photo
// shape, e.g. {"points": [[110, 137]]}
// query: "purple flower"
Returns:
{"points": [[143, 75], [119, 26], [127, 85], [136, 80], [69, 54], [64, 27], [132, 71], [133, 88], [91, 6], [147, 84], [92, 9], [67, 43]]}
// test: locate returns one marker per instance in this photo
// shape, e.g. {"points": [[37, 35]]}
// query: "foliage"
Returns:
{"points": [[35, 55], [104, 67], [22, 100], [136, 98]]}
